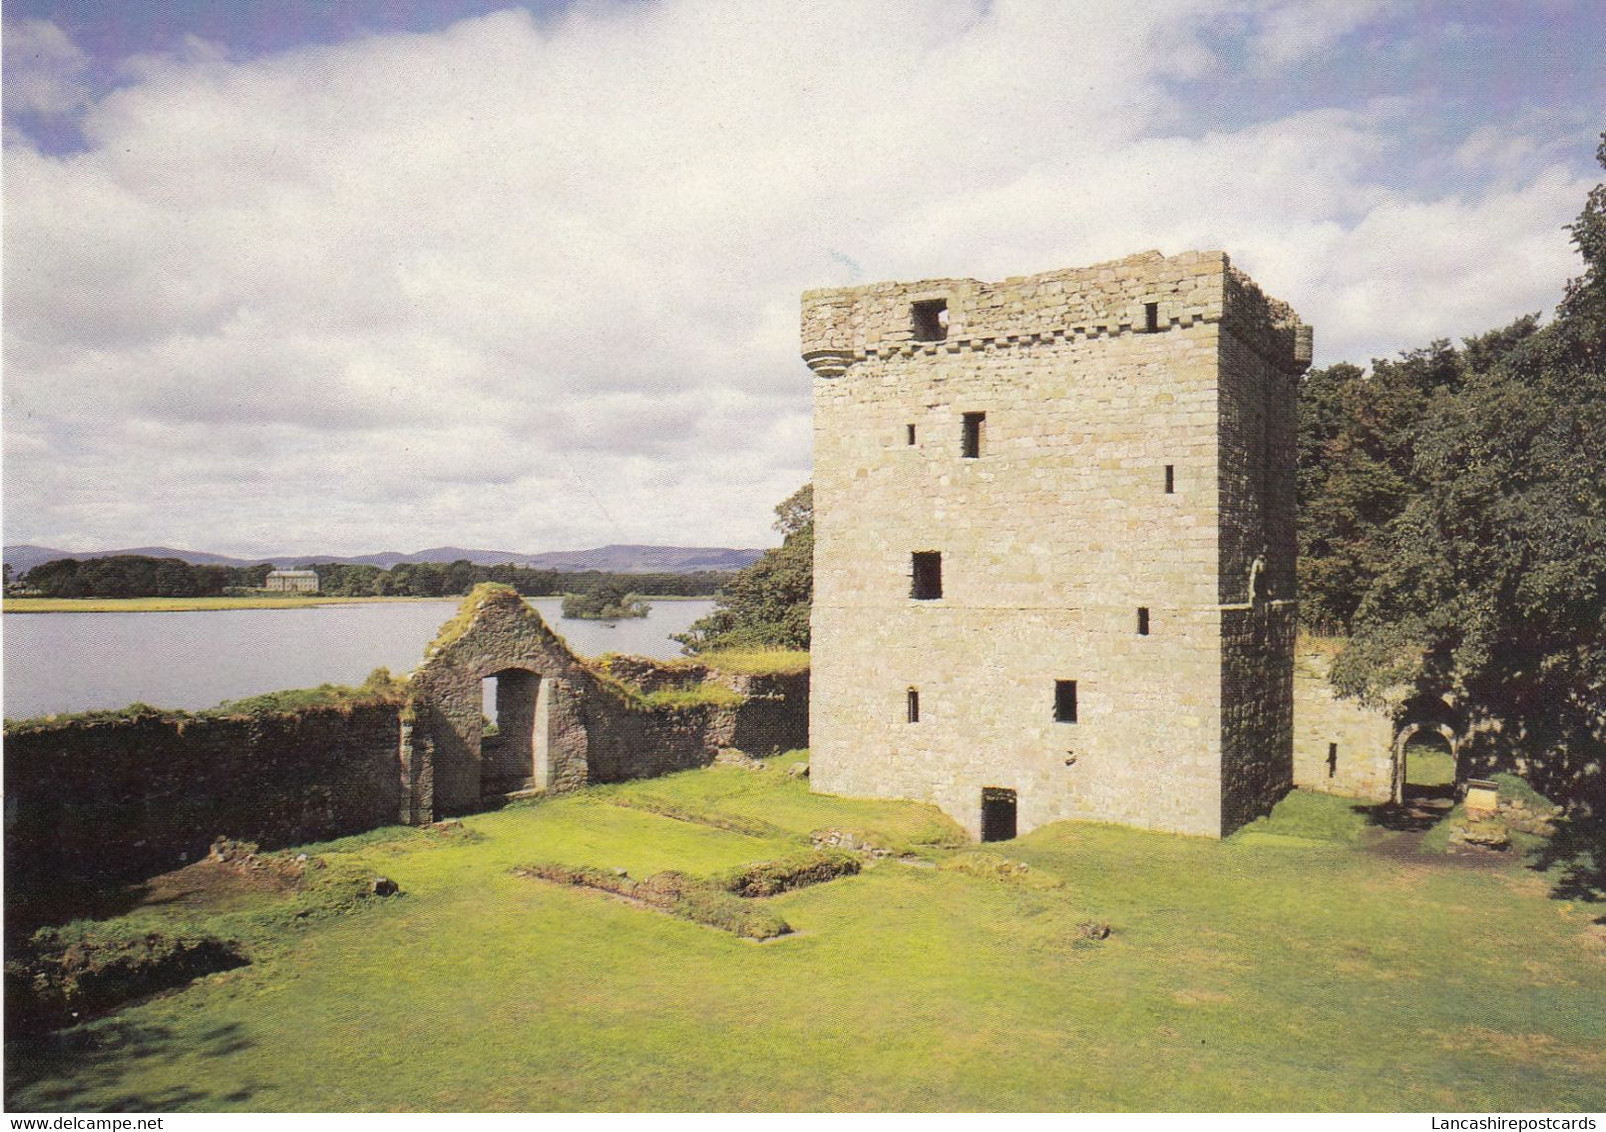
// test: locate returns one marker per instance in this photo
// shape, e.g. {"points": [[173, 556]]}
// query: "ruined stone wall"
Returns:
{"points": [[1051, 540], [564, 722], [125, 798], [772, 717], [105, 798], [774, 714], [646, 743], [493, 633], [1340, 747]]}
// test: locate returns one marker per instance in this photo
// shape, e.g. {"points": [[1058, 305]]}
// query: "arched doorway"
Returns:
{"points": [[1426, 765], [514, 745]]}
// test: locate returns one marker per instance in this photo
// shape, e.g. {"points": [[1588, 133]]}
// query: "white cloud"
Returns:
{"points": [[1293, 31], [44, 68], [535, 286]]}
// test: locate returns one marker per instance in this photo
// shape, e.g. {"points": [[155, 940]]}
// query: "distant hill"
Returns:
{"points": [[22, 557], [388, 558], [628, 559], [623, 559]]}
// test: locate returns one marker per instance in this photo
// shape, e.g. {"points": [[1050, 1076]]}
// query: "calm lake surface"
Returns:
{"points": [[60, 662]]}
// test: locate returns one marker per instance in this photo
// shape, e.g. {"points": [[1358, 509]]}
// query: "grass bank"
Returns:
{"points": [[1311, 962]]}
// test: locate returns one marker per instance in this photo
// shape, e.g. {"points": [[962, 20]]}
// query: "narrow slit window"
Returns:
{"points": [[1332, 759], [1143, 621], [926, 583], [1151, 317], [970, 441], [930, 319], [914, 705], [1065, 701], [911, 434], [1170, 476]]}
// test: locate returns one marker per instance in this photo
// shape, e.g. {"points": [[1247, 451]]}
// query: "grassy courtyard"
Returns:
{"points": [[1313, 961]]}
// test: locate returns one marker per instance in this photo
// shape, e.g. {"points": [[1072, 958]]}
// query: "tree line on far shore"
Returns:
{"points": [[130, 575]]}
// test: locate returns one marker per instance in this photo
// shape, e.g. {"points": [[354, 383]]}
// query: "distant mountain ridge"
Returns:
{"points": [[616, 558]]}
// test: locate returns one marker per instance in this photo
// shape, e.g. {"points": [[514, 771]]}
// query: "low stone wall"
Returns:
{"points": [[1340, 747], [107, 798], [116, 799], [643, 742]]}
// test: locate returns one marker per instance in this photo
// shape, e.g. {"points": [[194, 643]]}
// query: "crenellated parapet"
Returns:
{"points": [[1147, 293]]}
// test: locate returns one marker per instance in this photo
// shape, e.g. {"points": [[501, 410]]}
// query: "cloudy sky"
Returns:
{"points": [[295, 275]]}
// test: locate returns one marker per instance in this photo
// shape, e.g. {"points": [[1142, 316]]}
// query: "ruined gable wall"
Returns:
{"points": [[444, 757], [593, 728], [1051, 540]]}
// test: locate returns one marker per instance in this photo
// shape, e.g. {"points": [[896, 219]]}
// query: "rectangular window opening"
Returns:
{"points": [[1332, 759], [997, 814], [1143, 621], [1170, 477], [911, 434], [1151, 317], [930, 320], [1065, 701], [914, 705], [970, 444], [926, 583]]}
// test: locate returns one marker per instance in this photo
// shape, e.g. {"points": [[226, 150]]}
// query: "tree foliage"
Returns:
{"points": [[139, 576], [607, 602], [1488, 586], [767, 604], [1358, 444]]}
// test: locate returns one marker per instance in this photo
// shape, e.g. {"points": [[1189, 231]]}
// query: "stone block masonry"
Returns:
{"points": [[1340, 746], [1054, 543]]}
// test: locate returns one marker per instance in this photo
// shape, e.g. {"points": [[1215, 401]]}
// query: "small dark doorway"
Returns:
{"points": [[997, 814]]}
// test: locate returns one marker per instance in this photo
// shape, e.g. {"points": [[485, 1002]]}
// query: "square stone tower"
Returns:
{"points": [[1054, 544]]}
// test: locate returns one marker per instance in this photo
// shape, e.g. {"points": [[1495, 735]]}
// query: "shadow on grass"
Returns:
{"points": [[1576, 857], [30, 906], [1424, 807], [86, 1066]]}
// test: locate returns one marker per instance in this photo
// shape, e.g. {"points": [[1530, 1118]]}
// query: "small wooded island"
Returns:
{"points": [[608, 602]]}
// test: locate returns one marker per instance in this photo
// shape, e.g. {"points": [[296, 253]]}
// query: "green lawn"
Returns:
{"points": [[1427, 765], [1298, 965]]}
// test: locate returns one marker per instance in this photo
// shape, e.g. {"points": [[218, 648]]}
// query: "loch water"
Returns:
{"points": [[63, 662]]}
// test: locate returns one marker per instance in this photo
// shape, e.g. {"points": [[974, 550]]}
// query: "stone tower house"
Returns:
{"points": [[1054, 544]]}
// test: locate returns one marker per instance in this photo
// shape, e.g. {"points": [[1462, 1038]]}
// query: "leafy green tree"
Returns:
{"points": [[174, 579], [56, 578], [766, 605], [1492, 589], [608, 601], [1357, 437]]}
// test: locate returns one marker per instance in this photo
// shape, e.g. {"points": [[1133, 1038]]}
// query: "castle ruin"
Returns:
{"points": [[1054, 544]]}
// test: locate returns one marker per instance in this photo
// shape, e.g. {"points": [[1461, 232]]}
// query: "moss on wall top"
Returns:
{"points": [[380, 688]]}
